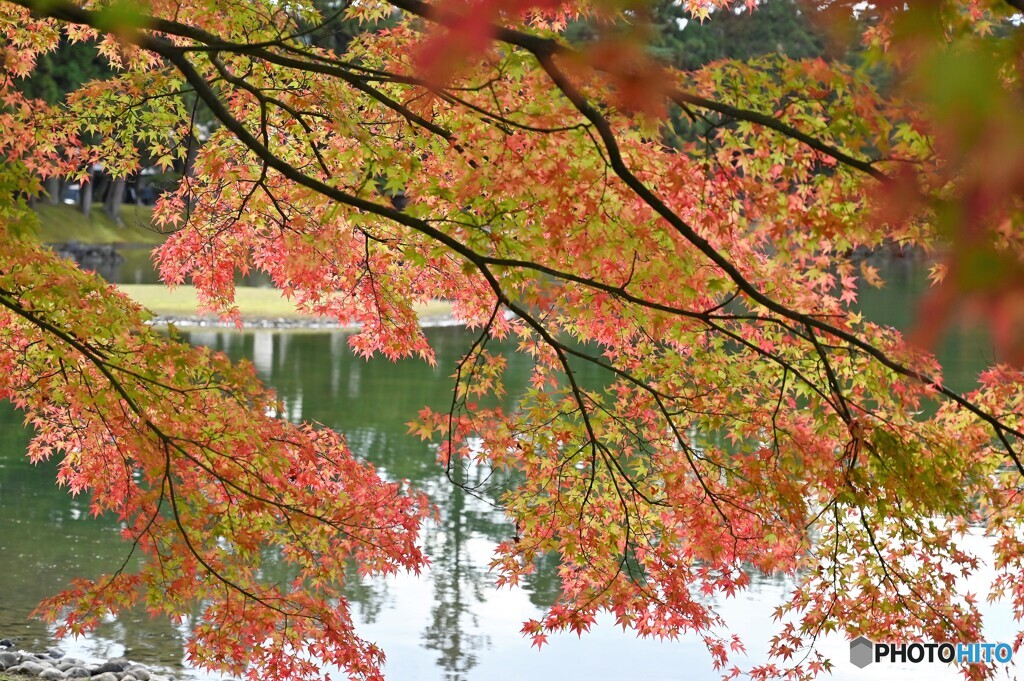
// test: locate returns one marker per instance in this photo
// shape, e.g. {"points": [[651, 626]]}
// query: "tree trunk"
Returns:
{"points": [[114, 199], [141, 185], [85, 198], [53, 185]]}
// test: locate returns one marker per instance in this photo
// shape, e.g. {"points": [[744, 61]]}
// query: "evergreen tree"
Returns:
{"points": [[777, 27], [64, 70]]}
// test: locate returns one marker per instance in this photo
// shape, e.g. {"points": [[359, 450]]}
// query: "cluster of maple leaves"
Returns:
{"points": [[749, 419]]}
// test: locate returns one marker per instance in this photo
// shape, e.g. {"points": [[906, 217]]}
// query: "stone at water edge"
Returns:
{"points": [[53, 665], [110, 666], [105, 676], [139, 672], [28, 667], [8, 660], [69, 662]]}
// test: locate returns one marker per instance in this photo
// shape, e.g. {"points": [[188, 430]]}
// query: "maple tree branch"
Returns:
{"points": [[610, 142], [316, 63], [176, 57], [900, 578], [563, 350], [543, 49], [609, 459], [577, 392], [682, 97], [88, 353], [504, 122], [546, 48], [242, 84], [659, 397], [839, 405], [629, 492], [65, 10], [198, 555], [134, 413], [107, 370]]}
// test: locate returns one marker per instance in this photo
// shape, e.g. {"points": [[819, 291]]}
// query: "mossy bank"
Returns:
{"points": [[60, 224]]}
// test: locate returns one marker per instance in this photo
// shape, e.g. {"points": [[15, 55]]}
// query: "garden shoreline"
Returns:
{"points": [[53, 665], [256, 322]]}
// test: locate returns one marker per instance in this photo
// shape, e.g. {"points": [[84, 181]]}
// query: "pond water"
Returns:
{"points": [[449, 623]]}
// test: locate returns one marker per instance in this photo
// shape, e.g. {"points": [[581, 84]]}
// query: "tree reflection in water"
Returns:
{"points": [[372, 402], [459, 584]]}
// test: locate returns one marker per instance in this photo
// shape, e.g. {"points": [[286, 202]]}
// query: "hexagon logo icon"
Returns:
{"points": [[862, 652]]}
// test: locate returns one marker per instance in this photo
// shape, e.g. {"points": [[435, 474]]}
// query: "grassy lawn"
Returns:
{"points": [[183, 302], [58, 224], [254, 303]]}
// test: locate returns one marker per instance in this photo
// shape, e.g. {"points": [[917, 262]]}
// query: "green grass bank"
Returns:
{"points": [[253, 303], [63, 223]]}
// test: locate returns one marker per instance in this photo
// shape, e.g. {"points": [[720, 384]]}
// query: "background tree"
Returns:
{"points": [[747, 417], [68, 67], [673, 36], [57, 73], [333, 28], [776, 27]]}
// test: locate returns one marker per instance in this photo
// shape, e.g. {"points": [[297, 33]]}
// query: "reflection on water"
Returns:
{"points": [[448, 623], [49, 537]]}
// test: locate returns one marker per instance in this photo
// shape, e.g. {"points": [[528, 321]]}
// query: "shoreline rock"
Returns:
{"points": [[53, 665], [89, 255]]}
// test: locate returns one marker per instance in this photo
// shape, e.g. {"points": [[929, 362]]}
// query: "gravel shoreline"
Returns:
{"points": [[196, 322], [53, 665]]}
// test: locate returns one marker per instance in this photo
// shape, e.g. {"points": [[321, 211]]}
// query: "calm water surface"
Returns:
{"points": [[449, 623]]}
